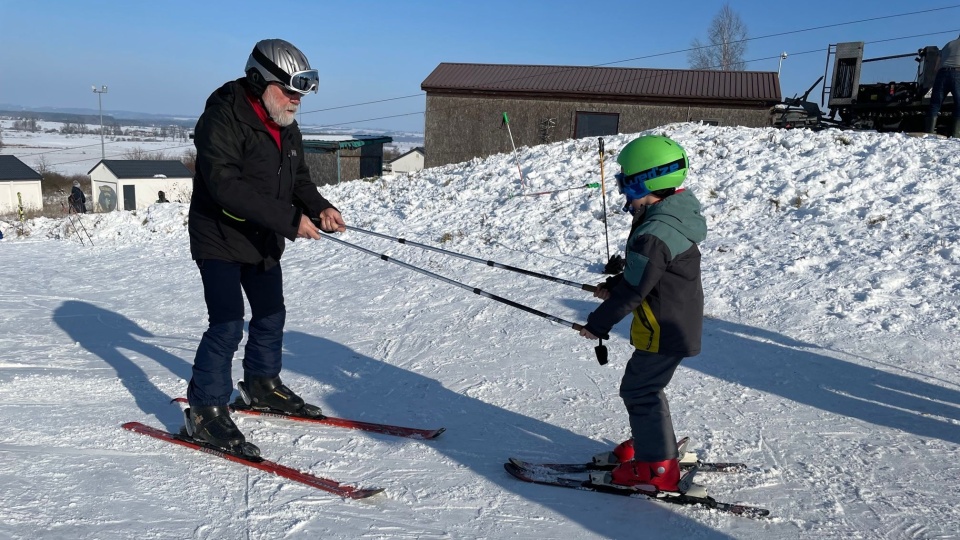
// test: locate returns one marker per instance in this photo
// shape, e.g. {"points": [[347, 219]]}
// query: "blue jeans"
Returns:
{"points": [[947, 81], [224, 284]]}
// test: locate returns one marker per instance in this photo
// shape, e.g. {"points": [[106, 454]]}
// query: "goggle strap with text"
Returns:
{"points": [[651, 173]]}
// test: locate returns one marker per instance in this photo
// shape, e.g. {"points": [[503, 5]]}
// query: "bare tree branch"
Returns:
{"points": [[727, 45]]}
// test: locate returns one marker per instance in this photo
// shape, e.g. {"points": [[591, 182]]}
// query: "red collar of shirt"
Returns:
{"points": [[272, 127]]}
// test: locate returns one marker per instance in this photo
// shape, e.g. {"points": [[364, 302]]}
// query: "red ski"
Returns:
{"points": [[258, 463], [385, 429]]}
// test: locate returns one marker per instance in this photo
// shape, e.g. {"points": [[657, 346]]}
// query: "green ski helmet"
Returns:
{"points": [[650, 163]]}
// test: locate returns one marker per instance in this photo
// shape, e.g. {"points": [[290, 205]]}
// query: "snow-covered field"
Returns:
{"points": [[48, 149], [830, 364], [68, 155]]}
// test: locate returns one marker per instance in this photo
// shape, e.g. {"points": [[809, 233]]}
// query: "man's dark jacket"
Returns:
{"points": [[248, 195], [78, 200]]}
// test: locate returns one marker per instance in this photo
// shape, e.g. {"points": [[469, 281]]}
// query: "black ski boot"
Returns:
{"points": [[270, 394], [213, 426]]}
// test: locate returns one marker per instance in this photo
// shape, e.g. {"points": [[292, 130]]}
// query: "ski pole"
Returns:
{"points": [[603, 195], [593, 185], [506, 122], [20, 211], [84, 229], [474, 290], [76, 229], [582, 286], [70, 219]]}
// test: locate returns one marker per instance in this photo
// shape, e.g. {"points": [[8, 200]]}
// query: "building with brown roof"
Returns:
{"points": [[466, 103]]}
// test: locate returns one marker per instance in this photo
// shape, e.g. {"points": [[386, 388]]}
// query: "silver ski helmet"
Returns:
{"points": [[277, 60]]}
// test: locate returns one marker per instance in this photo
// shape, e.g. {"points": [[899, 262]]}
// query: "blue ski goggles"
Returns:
{"points": [[631, 186]]}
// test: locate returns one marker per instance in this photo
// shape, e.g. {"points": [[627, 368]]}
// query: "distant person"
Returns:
{"points": [[251, 190], [77, 200], [946, 82], [161, 197], [661, 286]]}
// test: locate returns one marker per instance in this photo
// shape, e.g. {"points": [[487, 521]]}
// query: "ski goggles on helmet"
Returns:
{"points": [[304, 82], [632, 186]]}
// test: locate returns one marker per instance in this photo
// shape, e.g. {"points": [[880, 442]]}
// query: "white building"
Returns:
{"points": [[410, 162], [131, 184], [19, 184]]}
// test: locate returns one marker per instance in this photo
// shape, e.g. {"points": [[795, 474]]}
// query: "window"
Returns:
{"points": [[590, 124]]}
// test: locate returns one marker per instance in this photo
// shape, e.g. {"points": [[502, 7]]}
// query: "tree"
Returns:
{"points": [[26, 124], [189, 158], [41, 165], [727, 37]]}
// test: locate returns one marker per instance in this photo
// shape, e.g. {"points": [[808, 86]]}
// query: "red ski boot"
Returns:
{"points": [[664, 475], [623, 452]]}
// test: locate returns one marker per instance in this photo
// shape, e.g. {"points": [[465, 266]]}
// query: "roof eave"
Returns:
{"points": [[607, 98]]}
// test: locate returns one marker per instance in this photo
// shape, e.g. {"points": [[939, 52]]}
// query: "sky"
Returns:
{"points": [[831, 277], [167, 57]]}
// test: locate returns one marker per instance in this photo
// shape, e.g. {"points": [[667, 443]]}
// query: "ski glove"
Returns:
{"points": [[612, 281], [594, 331]]}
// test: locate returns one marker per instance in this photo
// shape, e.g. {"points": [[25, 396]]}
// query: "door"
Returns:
{"points": [[129, 197]]}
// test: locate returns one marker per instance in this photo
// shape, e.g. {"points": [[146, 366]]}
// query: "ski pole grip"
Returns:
{"points": [[600, 350], [600, 139]]}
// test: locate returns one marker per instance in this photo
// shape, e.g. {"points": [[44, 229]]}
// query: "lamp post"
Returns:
{"points": [[783, 56], [102, 90]]}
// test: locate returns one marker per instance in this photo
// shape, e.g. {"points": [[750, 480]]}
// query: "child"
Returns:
{"points": [[661, 286]]}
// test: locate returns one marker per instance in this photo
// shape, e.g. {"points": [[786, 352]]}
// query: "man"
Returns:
{"points": [[251, 190], [77, 200], [661, 285], [946, 81]]}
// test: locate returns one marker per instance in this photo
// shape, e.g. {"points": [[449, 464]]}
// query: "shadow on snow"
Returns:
{"points": [[119, 341], [479, 436], [778, 365]]}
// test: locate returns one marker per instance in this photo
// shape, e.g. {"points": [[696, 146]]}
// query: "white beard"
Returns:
{"points": [[281, 114]]}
